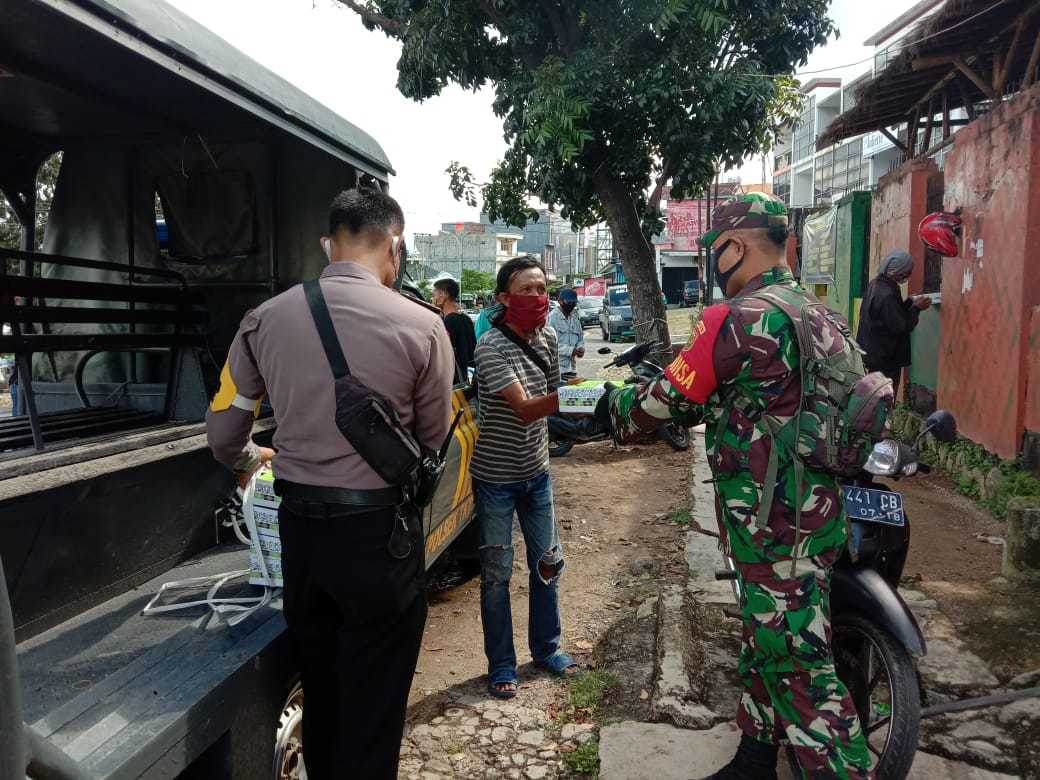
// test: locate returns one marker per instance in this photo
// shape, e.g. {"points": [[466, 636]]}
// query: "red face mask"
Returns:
{"points": [[527, 312]]}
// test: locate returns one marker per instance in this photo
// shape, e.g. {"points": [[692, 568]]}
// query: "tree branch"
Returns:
{"points": [[559, 28], [529, 56], [668, 169], [384, 23]]}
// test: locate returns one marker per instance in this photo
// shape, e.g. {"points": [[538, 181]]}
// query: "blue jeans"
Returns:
{"points": [[532, 501]]}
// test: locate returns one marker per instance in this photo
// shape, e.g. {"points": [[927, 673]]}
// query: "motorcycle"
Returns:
{"points": [[565, 430], [875, 637]]}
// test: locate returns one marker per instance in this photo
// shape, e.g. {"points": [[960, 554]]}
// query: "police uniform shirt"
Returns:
{"points": [[393, 345]]}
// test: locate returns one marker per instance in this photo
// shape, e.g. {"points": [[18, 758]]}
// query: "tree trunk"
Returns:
{"points": [[637, 259]]}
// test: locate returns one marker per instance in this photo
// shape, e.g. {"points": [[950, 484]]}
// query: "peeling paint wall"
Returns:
{"points": [[989, 293]]}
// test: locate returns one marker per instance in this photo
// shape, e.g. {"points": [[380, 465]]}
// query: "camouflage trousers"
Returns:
{"points": [[791, 688]]}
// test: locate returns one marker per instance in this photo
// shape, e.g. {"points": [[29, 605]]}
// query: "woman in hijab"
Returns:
{"points": [[886, 319]]}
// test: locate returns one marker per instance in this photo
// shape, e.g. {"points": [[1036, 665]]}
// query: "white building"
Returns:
{"points": [[805, 177]]}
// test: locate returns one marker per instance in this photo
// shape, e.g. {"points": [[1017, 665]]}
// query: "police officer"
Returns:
{"points": [[791, 689], [355, 611]]}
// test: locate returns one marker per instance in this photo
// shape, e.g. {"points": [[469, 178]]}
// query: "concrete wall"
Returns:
{"points": [[1032, 414], [989, 293], [924, 349], [898, 206]]}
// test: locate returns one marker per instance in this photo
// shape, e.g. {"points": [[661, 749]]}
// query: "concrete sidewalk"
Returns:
{"points": [[657, 751], [707, 738]]}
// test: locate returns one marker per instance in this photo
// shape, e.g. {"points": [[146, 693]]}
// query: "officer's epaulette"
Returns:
{"points": [[408, 296]]}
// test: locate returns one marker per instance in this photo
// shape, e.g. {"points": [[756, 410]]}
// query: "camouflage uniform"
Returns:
{"points": [[786, 664]]}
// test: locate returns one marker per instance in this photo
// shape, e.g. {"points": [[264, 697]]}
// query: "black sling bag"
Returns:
{"points": [[367, 419]]}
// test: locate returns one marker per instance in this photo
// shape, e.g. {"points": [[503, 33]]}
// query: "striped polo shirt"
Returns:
{"points": [[508, 449]]}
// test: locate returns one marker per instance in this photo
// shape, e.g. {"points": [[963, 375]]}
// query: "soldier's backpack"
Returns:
{"points": [[844, 409]]}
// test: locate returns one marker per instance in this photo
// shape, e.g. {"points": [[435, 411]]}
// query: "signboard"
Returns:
{"points": [[876, 142], [595, 288], [819, 248]]}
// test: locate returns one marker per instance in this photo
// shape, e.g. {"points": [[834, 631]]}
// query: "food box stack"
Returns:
{"points": [[266, 541], [581, 398]]}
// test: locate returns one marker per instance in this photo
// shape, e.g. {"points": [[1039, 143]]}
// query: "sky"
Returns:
{"points": [[323, 49]]}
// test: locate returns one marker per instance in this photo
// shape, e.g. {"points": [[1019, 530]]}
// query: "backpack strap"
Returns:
{"points": [[788, 433]]}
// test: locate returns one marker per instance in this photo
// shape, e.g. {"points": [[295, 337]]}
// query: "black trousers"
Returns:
{"points": [[356, 615]]}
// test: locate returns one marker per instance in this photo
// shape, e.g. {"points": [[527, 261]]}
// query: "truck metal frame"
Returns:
{"points": [[107, 487]]}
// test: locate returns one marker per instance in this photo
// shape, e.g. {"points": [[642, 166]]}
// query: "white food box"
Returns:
{"points": [[580, 398], [265, 517]]}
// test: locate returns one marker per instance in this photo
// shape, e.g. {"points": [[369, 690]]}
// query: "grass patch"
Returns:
{"points": [[584, 761], [1016, 483], [587, 689], [683, 515]]}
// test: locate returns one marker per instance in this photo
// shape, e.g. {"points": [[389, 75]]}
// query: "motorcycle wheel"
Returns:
{"points": [[559, 446], [677, 438], [882, 681]]}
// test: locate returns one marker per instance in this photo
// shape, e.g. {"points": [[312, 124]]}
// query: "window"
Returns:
{"points": [[782, 187], [805, 132]]}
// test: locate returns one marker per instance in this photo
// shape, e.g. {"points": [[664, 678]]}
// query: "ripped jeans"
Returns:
{"points": [[532, 501]]}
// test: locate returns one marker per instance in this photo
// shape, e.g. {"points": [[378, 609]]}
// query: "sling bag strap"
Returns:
{"points": [[326, 330], [512, 335]]}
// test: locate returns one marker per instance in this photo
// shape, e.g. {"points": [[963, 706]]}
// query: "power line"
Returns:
{"points": [[935, 34]]}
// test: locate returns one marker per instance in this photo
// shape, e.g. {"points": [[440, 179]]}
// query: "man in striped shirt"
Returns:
{"points": [[517, 376]]}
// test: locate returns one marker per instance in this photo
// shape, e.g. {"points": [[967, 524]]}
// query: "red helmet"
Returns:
{"points": [[939, 232]]}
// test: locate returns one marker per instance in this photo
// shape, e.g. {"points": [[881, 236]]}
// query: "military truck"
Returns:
{"points": [[193, 185]]}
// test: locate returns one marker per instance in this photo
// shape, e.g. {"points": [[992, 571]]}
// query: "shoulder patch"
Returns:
{"points": [[693, 370]]}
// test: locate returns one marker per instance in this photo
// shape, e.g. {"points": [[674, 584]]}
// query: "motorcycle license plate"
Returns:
{"points": [[876, 506]]}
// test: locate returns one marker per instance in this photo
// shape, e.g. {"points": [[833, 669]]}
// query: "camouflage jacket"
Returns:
{"points": [[748, 342]]}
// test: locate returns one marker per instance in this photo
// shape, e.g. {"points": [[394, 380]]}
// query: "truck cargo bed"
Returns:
{"points": [[132, 696]]}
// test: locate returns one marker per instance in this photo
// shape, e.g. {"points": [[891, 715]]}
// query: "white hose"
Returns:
{"points": [[242, 607]]}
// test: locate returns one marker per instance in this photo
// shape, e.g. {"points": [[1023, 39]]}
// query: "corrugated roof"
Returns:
{"points": [[977, 32]]}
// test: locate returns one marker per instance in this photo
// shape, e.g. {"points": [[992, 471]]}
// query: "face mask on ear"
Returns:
{"points": [[327, 243], [723, 277]]}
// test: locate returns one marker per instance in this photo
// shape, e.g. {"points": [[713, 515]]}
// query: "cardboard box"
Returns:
{"points": [[580, 398]]}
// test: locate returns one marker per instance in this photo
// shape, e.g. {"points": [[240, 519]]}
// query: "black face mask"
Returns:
{"points": [[724, 277], [567, 307]]}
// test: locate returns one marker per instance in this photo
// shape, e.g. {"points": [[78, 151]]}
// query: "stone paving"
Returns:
{"points": [[491, 739]]}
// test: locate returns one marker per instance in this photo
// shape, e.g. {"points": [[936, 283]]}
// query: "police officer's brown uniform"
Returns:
{"points": [[356, 613]]}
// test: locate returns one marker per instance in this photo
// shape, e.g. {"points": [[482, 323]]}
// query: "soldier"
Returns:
{"points": [[355, 608], [786, 664]]}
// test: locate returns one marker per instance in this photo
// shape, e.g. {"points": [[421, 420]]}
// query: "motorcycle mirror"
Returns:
{"points": [[942, 425], [604, 350]]}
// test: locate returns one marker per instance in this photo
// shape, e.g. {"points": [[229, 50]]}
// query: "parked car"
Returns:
{"points": [[588, 310], [691, 293], [615, 316]]}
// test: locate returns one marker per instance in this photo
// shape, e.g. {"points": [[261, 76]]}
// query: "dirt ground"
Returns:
{"points": [[622, 545], [954, 557]]}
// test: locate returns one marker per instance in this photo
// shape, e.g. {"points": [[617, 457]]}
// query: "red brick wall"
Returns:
{"points": [[989, 292]]}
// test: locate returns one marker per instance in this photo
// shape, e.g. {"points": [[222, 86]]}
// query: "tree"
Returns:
{"points": [[10, 228], [605, 102], [476, 282]]}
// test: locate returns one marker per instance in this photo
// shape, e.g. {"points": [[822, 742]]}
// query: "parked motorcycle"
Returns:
{"points": [[565, 430], [875, 637]]}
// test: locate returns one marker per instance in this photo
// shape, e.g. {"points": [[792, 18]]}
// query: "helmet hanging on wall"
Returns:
{"points": [[940, 231]]}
